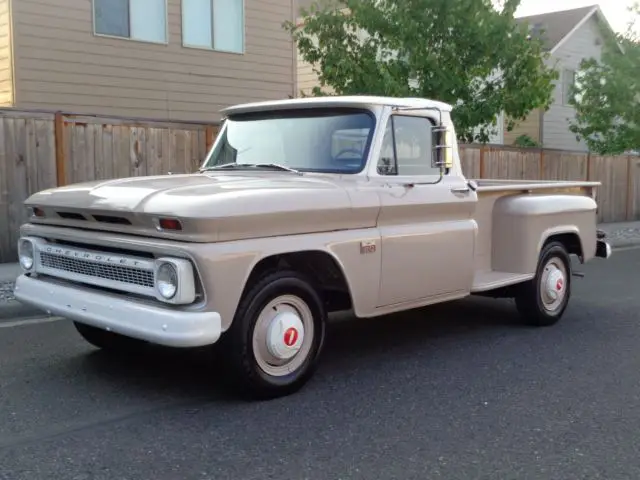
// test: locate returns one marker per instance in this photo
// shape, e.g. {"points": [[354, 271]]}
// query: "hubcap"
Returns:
{"points": [[283, 335], [553, 284]]}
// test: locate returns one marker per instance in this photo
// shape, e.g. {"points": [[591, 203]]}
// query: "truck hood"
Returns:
{"points": [[212, 206]]}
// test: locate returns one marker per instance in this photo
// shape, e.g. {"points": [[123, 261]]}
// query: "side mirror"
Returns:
{"points": [[442, 157]]}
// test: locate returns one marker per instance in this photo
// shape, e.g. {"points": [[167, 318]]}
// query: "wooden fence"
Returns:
{"points": [[618, 196], [41, 150], [44, 150]]}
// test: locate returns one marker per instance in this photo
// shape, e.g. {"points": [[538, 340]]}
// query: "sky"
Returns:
{"points": [[614, 10]]}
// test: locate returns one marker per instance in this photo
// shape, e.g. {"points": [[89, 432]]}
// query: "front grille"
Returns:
{"points": [[114, 273], [96, 267]]}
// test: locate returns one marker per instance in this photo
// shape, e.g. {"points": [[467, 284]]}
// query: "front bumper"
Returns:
{"points": [[603, 249], [155, 324]]}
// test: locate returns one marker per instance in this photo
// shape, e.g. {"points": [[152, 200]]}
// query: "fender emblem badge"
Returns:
{"points": [[367, 247]]}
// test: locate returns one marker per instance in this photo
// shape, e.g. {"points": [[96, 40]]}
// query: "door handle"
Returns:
{"points": [[460, 189]]}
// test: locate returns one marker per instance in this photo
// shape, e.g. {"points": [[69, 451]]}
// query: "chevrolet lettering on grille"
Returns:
{"points": [[93, 257], [117, 272]]}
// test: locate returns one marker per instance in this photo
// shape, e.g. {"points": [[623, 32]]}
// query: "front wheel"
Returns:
{"points": [[276, 337], [543, 300]]}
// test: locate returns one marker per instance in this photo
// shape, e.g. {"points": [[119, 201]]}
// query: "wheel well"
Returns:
{"points": [[570, 240], [321, 268]]}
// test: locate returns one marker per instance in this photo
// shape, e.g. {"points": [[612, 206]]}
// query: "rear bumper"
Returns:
{"points": [[155, 324], [603, 249]]}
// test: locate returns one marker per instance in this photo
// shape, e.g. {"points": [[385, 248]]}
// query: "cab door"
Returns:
{"points": [[426, 221]]}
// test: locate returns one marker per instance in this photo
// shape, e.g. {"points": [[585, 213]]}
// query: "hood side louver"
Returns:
{"points": [[71, 216], [111, 219]]}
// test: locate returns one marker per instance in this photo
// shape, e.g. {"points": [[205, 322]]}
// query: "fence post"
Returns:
{"points": [[209, 136], [481, 167], [61, 164], [541, 165], [588, 166], [629, 205]]}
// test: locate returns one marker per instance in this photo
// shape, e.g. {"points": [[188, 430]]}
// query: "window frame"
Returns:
{"points": [[567, 83], [390, 121], [302, 112], [130, 38], [212, 48]]}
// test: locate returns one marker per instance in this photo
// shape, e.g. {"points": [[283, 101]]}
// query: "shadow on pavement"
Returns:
{"points": [[350, 344]]}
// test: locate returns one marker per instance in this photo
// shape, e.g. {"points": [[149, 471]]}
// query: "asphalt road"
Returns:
{"points": [[458, 391]]}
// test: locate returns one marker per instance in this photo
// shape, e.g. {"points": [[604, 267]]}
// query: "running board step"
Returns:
{"points": [[485, 281]]}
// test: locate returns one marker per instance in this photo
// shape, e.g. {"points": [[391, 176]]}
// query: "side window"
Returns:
{"points": [[214, 25], [387, 163], [407, 148], [143, 20]]}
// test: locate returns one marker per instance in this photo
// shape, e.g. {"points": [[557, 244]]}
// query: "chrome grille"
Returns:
{"points": [[114, 273], [127, 273]]}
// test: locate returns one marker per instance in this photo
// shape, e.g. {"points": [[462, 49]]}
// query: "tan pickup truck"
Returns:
{"points": [[301, 208]]}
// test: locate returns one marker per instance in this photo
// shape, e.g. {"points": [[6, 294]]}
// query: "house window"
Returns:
{"points": [[214, 24], [568, 80], [571, 78], [143, 20]]}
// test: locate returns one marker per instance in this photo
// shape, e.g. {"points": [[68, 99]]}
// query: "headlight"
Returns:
{"points": [[25, 254], [174, 281], [167, 280]]}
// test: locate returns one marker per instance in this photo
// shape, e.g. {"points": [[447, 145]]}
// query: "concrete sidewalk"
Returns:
{"points": [[623, 234], [619, 235]]}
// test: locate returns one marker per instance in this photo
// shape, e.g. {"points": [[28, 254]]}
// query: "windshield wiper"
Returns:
{"points": [[277, 166], [252, 165]]}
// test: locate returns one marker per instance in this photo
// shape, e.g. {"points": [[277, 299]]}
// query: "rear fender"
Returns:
{"points": [[522, 224]]}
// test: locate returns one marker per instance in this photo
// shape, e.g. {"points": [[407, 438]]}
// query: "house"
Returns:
{"points": [[154, 59], [569, 36]]}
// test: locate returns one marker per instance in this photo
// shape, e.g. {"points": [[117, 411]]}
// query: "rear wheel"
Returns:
{"points": [[276, 337], [106, 340], [543, 300]]}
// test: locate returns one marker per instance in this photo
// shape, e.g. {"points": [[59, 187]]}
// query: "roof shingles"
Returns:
{"points": [[556, 25]]}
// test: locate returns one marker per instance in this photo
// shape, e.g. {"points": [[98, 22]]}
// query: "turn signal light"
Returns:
{"points": [[169, 224], [37, 212]]}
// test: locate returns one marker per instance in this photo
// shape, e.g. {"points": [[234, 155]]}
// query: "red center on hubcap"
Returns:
{"points": [[290, 337], [559, 284]]}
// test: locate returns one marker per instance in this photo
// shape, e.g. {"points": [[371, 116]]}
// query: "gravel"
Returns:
{"points": [[6, 292], [630, 233]]}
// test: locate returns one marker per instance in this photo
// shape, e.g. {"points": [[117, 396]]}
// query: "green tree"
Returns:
{"points": [[606, 96], [449, 50]]}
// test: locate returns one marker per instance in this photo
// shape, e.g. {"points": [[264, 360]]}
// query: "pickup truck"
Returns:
{"points": [[302, 207]]}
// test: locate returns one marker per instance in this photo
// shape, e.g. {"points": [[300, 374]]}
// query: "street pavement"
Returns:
{"points": [[455, 391]]}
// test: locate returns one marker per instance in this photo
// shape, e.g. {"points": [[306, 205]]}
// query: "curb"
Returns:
{"points": [[624, 243]]}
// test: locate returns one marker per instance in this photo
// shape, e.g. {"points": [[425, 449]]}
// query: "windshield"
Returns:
{"points": [[317, 140]]}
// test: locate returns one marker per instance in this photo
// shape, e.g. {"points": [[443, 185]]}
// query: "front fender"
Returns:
{"points": [[226, 266]]}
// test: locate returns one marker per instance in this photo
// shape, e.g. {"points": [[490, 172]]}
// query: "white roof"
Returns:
{"points": [[338, 101]]}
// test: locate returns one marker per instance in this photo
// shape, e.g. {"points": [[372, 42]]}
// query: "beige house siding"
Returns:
{"points": [[529, 126], [62, 65], [308, 79], [6, 63], [586, 42]]}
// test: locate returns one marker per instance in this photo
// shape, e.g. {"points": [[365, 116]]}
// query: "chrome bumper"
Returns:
{"points": [[603, 249], [155, 324]]}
